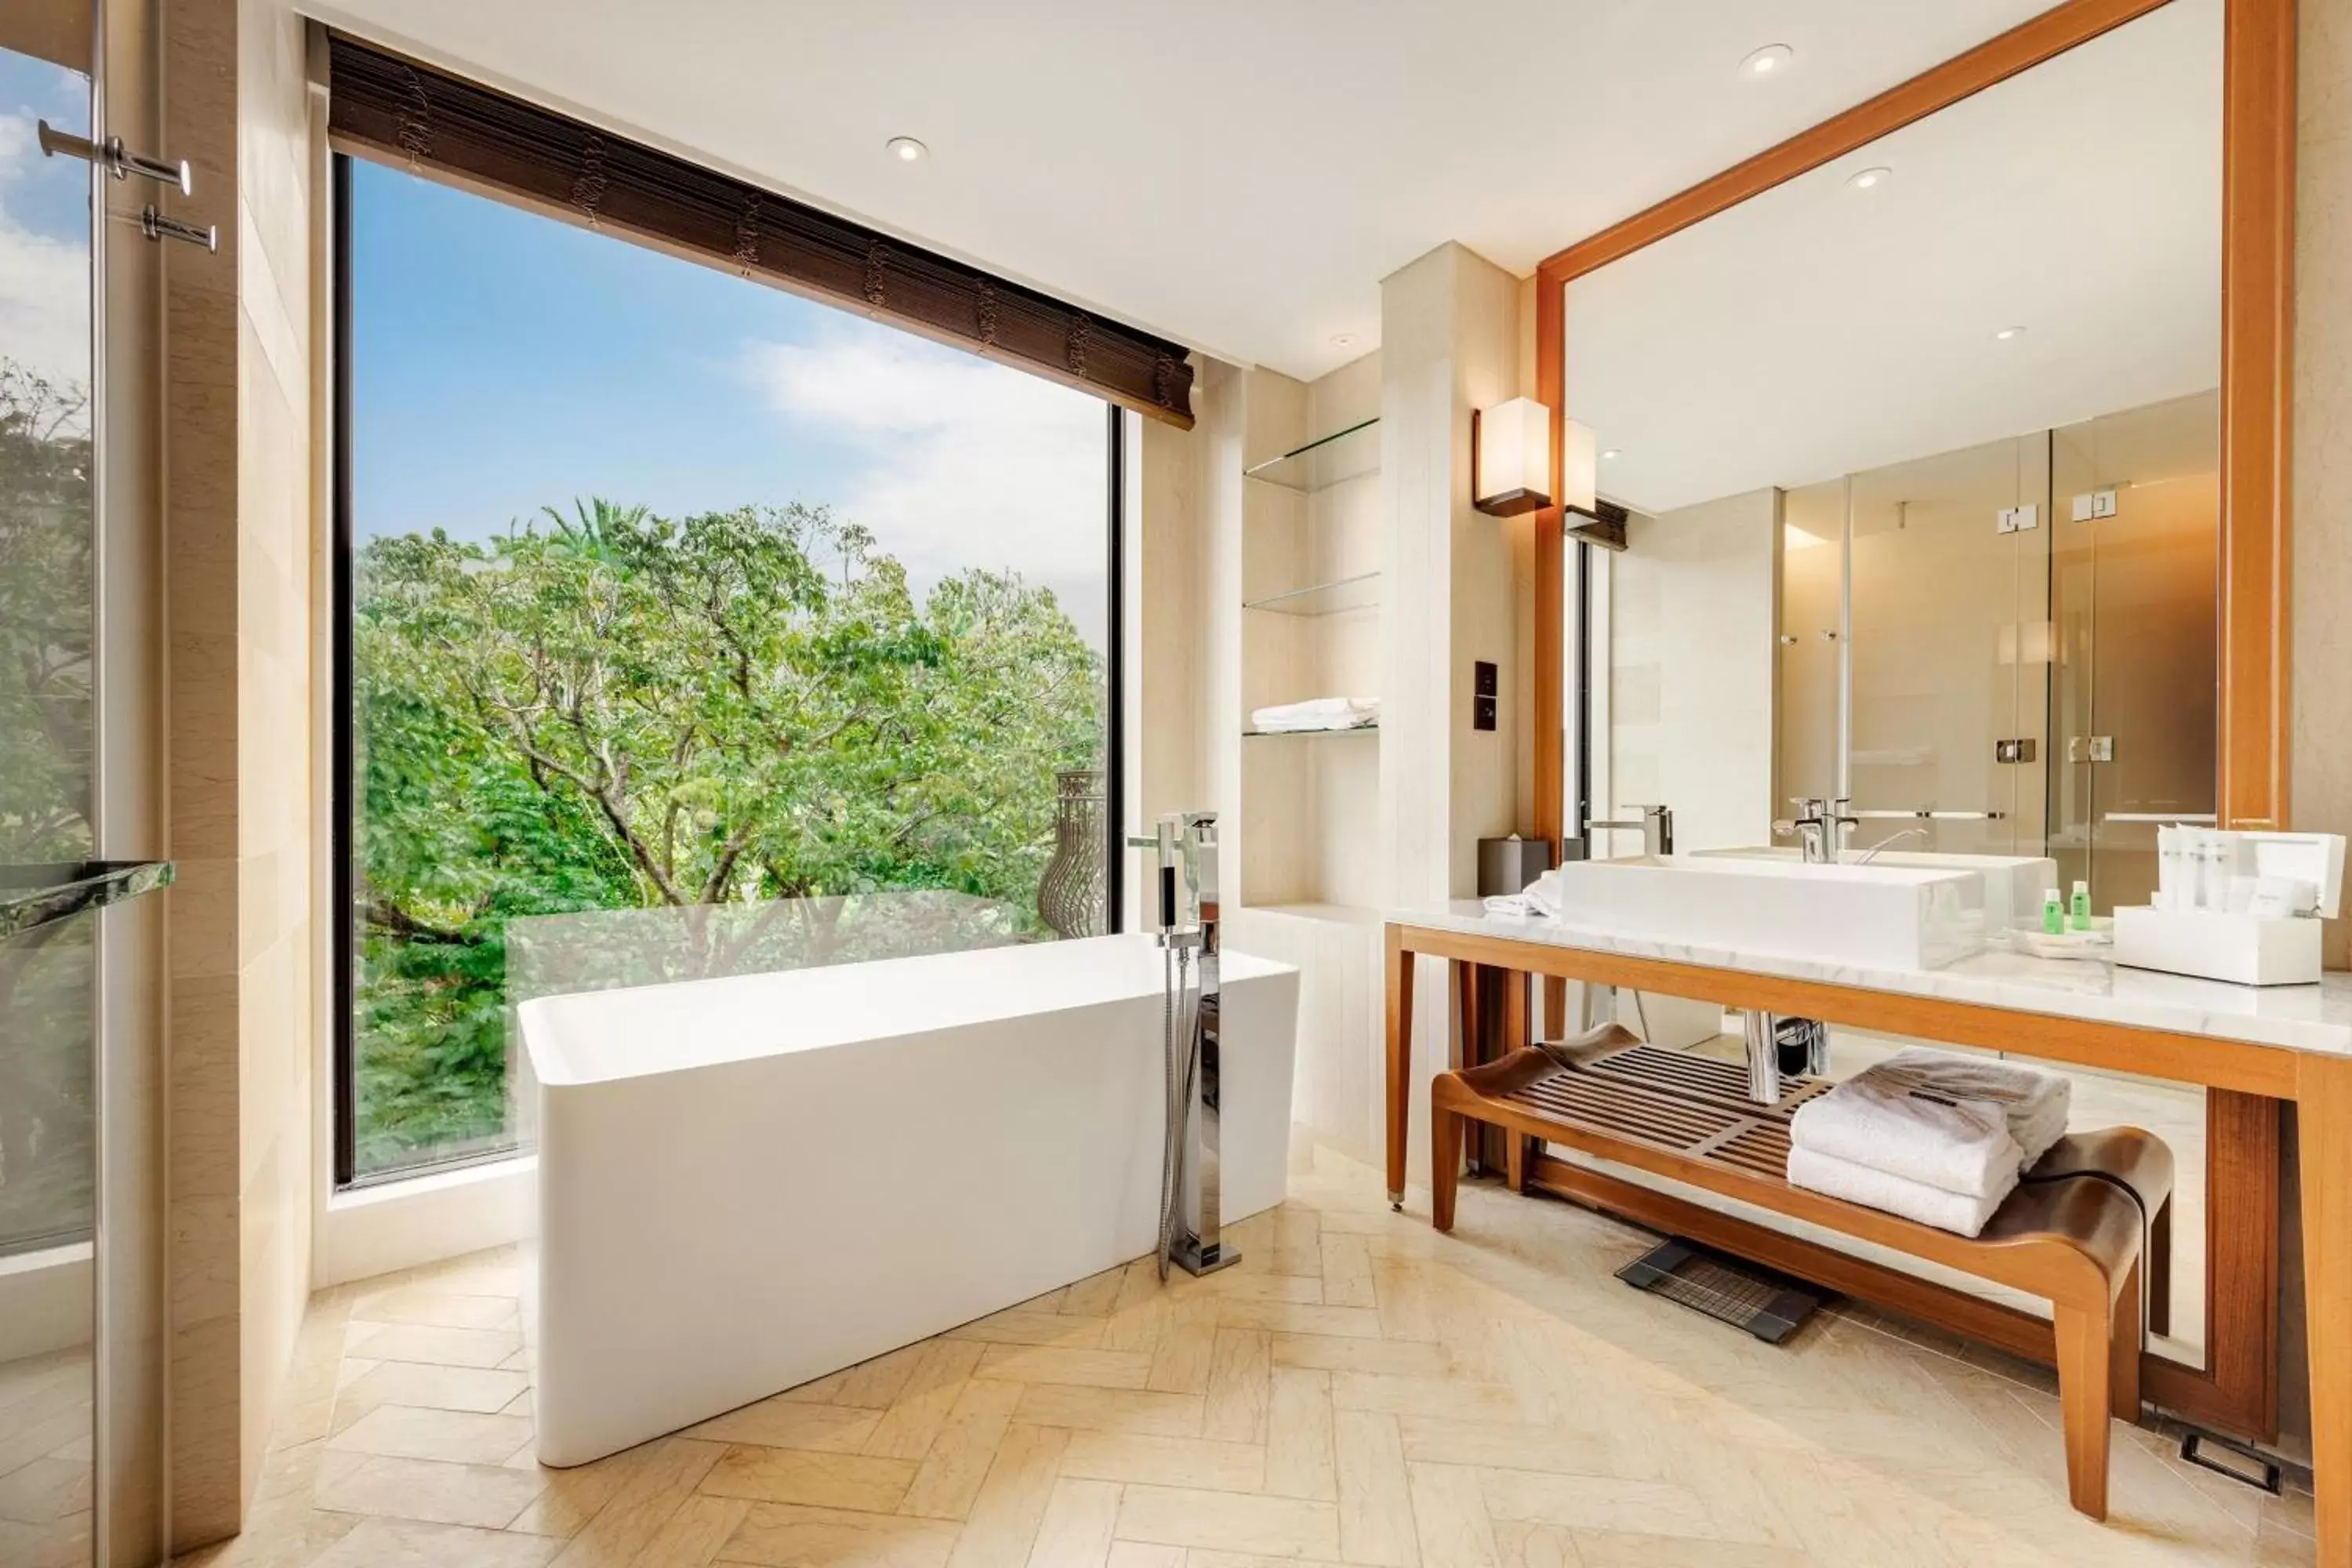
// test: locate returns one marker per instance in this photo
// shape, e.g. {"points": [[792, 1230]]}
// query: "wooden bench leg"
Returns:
{"points": [[1515, 1168], [1444, 1163], [2123, 1371], [2087, 1352], [2160, 1269]]}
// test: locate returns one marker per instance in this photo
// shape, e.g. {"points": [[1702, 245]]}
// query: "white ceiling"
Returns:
{"points": [[1238, 174], [1820, 330]]}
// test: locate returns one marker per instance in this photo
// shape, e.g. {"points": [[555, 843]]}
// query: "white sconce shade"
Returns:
{"points": [[1579, 460], [1510, 455]]}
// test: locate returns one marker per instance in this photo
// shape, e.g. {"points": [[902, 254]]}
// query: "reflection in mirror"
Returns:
{"points": [[1921, 455], [48, 974]]}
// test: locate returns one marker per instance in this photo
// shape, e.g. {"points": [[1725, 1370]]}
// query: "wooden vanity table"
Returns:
{"points": [[2252, 1052]]}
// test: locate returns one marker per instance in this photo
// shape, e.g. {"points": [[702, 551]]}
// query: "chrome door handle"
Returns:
{"points": [[113, 157]]}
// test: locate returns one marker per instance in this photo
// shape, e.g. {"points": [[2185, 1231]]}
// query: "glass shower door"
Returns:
{"points": [[2133, 579], [1915, 646], [49, 956]]}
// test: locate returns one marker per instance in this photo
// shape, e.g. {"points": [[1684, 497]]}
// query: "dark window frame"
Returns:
{"points": [[344, 923]]}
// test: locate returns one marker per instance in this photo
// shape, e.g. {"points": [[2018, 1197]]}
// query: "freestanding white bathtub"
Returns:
{"points": [[748, 1183]]}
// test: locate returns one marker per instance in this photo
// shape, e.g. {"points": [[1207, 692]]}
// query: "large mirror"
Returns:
{"points": [[1919, 455]]}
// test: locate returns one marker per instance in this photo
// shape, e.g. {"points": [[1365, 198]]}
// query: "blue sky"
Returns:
{"points": [[502, 360], [44, 221]]}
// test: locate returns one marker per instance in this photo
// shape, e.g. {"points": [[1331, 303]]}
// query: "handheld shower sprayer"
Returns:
{"points": [[1185, 917]]}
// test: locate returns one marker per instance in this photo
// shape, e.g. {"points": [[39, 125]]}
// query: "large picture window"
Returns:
{"points": [[687, 627]]}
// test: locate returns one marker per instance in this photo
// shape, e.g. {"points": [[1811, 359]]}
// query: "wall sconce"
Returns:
{"points": [[1510, 457]]}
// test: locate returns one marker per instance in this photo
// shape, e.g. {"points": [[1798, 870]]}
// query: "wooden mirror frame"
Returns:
{"points": [[2238, 1388]]}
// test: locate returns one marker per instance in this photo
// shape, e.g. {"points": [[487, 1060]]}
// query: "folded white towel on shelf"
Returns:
{"points": [[1539, 897], [1316, 713], [2037, 1102], [1957, 1212], [1921, 1135], [1543, 894]]}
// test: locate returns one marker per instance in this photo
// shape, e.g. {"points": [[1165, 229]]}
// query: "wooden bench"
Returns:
{"points": [[2071, 1233]]}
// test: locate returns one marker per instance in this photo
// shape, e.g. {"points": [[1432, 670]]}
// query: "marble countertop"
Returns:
{"points": [[2299, 1017]]}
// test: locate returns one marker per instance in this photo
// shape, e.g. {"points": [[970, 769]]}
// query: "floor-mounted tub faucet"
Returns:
{"points": [[1186, 918]]}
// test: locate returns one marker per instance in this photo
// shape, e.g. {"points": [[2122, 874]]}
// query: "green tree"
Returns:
{"points": [[622, 709], [47, 1000]]}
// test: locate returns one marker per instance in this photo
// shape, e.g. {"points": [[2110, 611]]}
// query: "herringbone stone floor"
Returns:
{"points": [[1358, 1390]]}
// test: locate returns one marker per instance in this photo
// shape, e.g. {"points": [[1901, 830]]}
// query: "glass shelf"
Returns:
{"points": [[1361, 592], [35, 896], [1270, 734], [1342, 454]]}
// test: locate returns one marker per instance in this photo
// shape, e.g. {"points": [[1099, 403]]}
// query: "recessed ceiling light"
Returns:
{"points": [[2005, 333], [907, 150], [1869, 179], [1611, 452], [1770, 60], [1343, 340]]}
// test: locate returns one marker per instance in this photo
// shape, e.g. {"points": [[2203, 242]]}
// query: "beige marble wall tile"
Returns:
{"points": [[2322, 714], [237, 548]]}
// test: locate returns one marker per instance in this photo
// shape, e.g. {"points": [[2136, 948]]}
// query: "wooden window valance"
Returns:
{"points": [[397, 112]]}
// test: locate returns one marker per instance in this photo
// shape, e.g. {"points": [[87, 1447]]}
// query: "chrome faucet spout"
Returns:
{"points": [[1867, 856], [1656, 825], [1820, 827]]}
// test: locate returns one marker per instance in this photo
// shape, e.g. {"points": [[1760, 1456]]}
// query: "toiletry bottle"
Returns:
{"points": [[2054, 911], [2078, 911], [2168, 868]]}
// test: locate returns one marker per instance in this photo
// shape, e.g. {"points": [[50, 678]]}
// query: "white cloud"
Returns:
{"points": [[44, 281], [965, 463]]}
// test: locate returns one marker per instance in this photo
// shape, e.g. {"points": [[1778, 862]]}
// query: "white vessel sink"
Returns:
{"points": [[1880, 916], [2013, 883]]}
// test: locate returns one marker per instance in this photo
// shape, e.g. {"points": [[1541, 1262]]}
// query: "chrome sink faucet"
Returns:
{"points": [[1656, 826], [1820, 824], [1820, 827]]}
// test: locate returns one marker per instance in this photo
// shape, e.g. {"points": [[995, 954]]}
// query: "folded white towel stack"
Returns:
{"points": [[1935, 1137], [1316, 713], [2036, 1103], [1965, 1213], [1540, 896]]}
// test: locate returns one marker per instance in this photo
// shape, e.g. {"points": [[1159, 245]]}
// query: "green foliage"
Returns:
{"points": [[618, 709], [45, 619], [48, 999]]}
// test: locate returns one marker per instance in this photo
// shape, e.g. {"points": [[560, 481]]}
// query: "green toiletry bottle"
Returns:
{"points": [[2053, 912], [2080, 914]]}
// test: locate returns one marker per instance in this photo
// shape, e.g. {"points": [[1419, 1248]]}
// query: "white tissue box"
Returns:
{"points": [[2243, 949]]}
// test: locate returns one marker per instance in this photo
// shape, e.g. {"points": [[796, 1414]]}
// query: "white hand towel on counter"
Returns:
{"points": [[1917, 1201], [1316, 713], [2037, 1102], [1920, 1135], [1539, 899]]}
